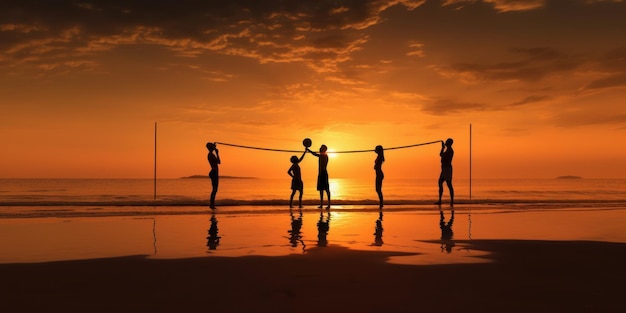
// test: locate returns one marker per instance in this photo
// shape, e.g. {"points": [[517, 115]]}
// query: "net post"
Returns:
{"points": [[155, 160]]}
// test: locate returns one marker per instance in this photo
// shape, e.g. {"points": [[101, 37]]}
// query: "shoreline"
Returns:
{"points": [[98, 209]]}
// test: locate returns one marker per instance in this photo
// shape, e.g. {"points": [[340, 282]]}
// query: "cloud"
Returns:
{"points": [[590, 117], [534, 65], [613, 66], [447, 106], [531, 99], [320, 34], [502, 5]]}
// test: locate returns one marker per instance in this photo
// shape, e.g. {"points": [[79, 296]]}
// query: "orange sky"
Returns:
{"points": [[542, 82]]}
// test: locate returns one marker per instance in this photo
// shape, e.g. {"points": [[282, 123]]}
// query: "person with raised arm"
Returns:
{"points": [[214, 160], [296, 179], [322, 176], [446, 155], [378, 167]]}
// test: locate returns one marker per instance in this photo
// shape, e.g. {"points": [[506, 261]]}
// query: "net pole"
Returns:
{"points": [[470, 161], [155, 160]]}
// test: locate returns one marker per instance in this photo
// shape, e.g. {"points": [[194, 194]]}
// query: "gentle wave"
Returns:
{"points": [[283, 202], [267, 192], [148, 210]]}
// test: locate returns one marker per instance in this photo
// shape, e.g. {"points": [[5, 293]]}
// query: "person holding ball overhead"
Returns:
{"points": [[322, 175], [296, 179]]}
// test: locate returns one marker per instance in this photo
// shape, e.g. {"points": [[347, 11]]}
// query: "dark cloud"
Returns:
{"points": [[447, 106], [614, 65], [533, 65], [270, 31], [531, 99]]}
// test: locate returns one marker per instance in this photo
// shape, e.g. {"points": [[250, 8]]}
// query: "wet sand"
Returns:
{"points": [[558, 261], [524, 276]]}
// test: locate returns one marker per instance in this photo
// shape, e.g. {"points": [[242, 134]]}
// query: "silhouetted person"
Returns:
{"points": [[213, 240], [214, 161], [296, 179], [446, 232], [323, 226], [446, 155], [378, 167], [295, 233], [322, 175], [378, 232]]}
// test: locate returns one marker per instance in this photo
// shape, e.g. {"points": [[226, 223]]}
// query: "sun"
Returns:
{"points": [[331, 154]]}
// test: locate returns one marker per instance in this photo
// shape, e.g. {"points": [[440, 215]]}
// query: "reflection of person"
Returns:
{"points": [[323, 226], [446, 169], [213, 240], [322, 176], [296, 179], [447, 234], [295, 233], [378, 232], [214, 161], [378, 167]]}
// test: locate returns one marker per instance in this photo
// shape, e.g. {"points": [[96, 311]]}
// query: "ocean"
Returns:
{"points": [[45, 220], [267, 192]]}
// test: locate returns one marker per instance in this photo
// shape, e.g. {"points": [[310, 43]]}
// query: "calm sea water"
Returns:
{"points": [[195, 191]]}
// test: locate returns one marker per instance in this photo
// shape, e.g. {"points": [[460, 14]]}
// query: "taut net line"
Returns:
{"points": [[348, 151]]}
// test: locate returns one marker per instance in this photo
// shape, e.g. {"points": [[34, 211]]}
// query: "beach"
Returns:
{"points": [[499, 257]]}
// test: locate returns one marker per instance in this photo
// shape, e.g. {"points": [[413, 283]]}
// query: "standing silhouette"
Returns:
{"points": [[296, 179], [446, 155], [214, 160], [322, 175], [378, 167]]}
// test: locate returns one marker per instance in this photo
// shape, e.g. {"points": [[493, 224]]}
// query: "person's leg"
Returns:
{"points": [[379, 191], [293, 192], [321, 199], [328, 196], [300, 199], [451, 189], [213, 193], [440, 188], [214, 182]]}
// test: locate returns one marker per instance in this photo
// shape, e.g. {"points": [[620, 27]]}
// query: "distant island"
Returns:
{"points": [[569, 177], [225, 177]]}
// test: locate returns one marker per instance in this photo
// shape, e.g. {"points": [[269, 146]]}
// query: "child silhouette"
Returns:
{"points": [[296, 179]]}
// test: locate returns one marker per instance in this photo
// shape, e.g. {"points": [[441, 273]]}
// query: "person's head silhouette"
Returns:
{"points": [[210, 146]]}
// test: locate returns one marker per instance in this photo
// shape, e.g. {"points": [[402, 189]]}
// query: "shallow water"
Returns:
{"points": [[257, 193], [270, 234]]}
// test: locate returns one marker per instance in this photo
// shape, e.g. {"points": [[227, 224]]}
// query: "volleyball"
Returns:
{"points": [[307, 142]]}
